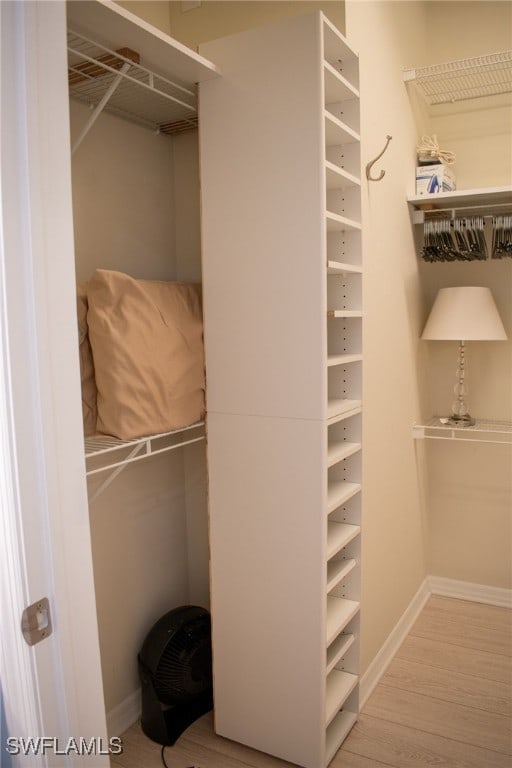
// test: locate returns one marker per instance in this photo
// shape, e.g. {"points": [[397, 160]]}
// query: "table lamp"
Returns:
{"points": [[463, 314]]}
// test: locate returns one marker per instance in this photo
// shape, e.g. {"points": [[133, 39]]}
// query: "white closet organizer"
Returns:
{"points": [[282, 285]]}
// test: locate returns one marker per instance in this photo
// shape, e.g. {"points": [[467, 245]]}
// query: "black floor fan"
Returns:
{"points": [[175, 668]]}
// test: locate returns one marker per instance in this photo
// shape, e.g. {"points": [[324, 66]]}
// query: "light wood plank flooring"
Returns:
{"points": [[444, 701]]}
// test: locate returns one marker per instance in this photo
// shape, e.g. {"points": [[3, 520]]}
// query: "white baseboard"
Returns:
{"points": [[124, 714], [433, 585], [396, 637], [465, 590]]}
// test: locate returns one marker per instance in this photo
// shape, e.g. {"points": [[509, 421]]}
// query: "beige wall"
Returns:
{"points": [[216, 18], [155, 12], [117, 175], [393, 559]]}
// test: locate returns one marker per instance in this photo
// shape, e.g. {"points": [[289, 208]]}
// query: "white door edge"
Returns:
{"points": [[53, 689]]}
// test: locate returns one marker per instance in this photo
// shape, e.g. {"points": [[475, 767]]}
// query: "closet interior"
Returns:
{"points": [[136, 201], [133, 112]]}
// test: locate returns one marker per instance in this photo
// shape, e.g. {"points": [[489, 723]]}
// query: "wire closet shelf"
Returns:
{"points": [[498, 432], [141, 96], [106, 453], [471, 78]]}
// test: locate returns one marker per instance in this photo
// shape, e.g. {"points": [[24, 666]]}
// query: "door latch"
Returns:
{"points": [[36, 623]]}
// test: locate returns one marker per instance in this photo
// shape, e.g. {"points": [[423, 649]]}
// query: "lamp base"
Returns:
{"points": [[460, 421]]}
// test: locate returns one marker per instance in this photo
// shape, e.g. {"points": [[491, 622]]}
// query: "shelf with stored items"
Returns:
{"points": [[307, 191], [464, 224], [486, 200]]}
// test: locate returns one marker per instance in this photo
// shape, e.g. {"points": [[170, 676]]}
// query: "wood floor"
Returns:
{"points": [[444, 702]]}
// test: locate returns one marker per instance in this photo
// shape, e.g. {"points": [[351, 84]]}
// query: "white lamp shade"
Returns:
{"points": [[464, 314]]}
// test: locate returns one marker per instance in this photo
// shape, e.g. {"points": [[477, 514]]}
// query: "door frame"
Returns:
{"points": [[52, 689]]}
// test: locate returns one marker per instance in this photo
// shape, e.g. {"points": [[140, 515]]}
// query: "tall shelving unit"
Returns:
{"points": [[282, 282]]}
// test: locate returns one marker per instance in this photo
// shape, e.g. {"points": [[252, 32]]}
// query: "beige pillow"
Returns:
{"points": [[147, 343], [87, 378]]}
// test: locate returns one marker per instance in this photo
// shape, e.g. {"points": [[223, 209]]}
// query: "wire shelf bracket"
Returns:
{"points": [[105, 453]]}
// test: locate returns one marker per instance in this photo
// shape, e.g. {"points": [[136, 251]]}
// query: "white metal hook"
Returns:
{"points": [[369, 165]]}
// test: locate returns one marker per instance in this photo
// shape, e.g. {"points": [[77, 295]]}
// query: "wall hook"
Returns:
{"points": [[369, 165]]}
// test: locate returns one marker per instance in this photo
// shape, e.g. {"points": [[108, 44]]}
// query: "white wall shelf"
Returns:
{"points": [[464, 79], [486, 200], [482, 432]]}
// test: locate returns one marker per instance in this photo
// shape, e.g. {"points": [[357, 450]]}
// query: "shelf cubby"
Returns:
{"points": [[337, 407], [344, 292], [337, 570], [339, 535], [340, 491], [337, 223], [344, 332], [339, 55], [339, 450], [337, 732], [339, 613], [339, 687], [338, 648], [345, 248], [337, 178]]}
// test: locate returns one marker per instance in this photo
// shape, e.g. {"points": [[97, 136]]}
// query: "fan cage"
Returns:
{"points": [[184, 669]]}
